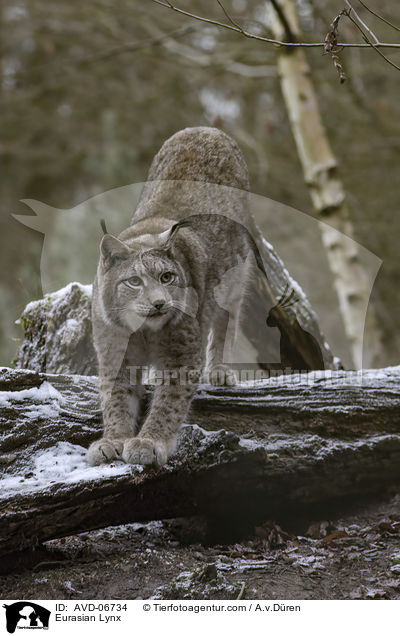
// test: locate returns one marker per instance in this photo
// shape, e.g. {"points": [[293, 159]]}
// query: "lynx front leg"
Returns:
{"points": [[177, 351], [120, 406], [120, 403], [157, 438]]}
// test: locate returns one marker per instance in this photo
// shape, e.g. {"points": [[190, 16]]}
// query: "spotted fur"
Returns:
{"points": [[156, 297]]}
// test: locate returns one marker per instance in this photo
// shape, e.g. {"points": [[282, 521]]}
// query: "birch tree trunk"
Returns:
{"points": [[326, 189]]}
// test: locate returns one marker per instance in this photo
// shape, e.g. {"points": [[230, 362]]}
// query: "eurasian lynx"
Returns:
{"points": [[161, 293]]}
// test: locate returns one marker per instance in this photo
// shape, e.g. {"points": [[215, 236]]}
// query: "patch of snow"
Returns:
{"points": [[242, 565], [250, 444], [32, 305], [382, 374], [63, 463], [68, 586], [204, 432], [71, 323], [60, 293], [324, 378], [313, 562], [42, 411], [396, 558], [44, 393], [320, 446]]}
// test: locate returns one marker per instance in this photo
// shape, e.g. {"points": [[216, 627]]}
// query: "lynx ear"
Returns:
{"points": [[112, 249], [169, 236]]}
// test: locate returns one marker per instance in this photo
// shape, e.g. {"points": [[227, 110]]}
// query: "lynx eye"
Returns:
{"points": [[166, 278], [135, 281]]}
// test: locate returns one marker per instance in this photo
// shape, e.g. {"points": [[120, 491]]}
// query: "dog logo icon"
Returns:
{"points": [[26, 615]]}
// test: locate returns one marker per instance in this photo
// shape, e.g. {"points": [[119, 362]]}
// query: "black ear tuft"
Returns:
{"points": [[103, 226], [177, 226], [174, 230]]}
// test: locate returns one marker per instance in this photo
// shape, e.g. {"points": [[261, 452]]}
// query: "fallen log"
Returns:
{"points": [[247, 453]]}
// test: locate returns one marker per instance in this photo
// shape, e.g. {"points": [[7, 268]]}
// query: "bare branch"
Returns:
{"points": [[127, 47], [374, 46], [366, 27], [235, 24], [135, 46], [260, 38], [379, 16]]}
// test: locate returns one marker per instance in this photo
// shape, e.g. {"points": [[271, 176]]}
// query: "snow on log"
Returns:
{"points": [[253, 452]]}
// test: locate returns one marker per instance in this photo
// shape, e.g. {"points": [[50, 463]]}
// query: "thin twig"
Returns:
{"points": [[231, 20], [379, 16], [253, 36], [366, 27], [127, 47], [130, 47], [242, 589], [374, 46]]}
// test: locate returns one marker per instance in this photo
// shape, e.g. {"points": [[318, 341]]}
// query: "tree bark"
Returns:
{"points": [[320, 170], [283, 447]]}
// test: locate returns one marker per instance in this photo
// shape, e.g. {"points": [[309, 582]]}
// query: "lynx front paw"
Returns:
{"points": [[104, 451], [145, 451]]}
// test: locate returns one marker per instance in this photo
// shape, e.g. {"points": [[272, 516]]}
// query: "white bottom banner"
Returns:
{"points": [[176, 617]]}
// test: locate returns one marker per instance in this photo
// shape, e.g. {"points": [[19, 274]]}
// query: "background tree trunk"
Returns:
{"points": [[326, 189]]}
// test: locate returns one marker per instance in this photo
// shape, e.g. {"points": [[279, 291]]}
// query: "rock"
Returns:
{"points": [[58, 333]]}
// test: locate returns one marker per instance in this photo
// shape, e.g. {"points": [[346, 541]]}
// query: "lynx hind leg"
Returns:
{"points": [[104, 451], [220, 375], [217, 372]]}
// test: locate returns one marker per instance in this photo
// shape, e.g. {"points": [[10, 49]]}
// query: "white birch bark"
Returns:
{"points": [[327, 193]]}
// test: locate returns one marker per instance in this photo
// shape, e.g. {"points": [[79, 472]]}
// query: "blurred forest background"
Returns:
{"points": [[90, 91]]}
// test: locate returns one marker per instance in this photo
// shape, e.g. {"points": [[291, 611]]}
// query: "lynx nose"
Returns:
{"points": [[159, 304]]}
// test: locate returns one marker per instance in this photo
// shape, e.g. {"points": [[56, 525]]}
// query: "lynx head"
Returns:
{"points": [[142, 283]]}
